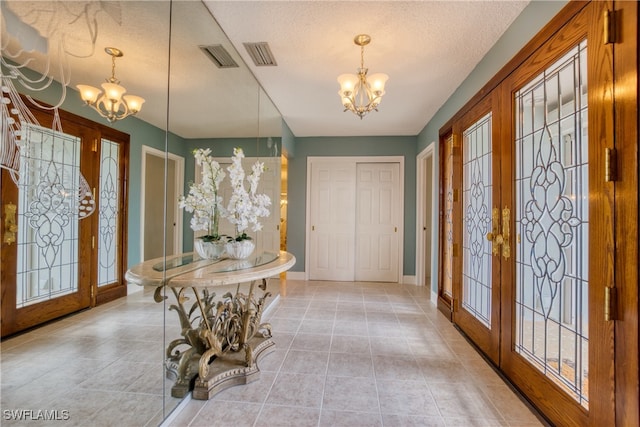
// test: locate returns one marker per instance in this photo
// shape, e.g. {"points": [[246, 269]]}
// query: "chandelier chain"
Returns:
{"points": [[113, 69]]}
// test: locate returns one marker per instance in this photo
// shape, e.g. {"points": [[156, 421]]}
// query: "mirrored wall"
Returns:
{"points": [[102, 351]]}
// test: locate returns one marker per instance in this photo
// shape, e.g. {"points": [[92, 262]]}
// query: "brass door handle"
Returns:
{"points": [[10, 225], [506, 232], [493, 236]]}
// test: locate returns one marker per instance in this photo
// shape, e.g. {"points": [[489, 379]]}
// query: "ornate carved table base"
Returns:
{"points": [[221, 340], [231, 369]]}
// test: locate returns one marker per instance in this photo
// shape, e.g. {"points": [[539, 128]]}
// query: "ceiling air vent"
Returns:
{"points": [[219, 56], [260, 53]]}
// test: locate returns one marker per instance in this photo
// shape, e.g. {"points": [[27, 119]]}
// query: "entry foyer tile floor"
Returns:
{"points": [[347, 354], [364, 354]]}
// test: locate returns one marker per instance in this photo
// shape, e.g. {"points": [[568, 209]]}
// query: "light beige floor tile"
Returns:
{"points": [[330, 418], [350, 365], [297, 390], [350, 344], [219, 413], [306, 362], [393, 420], [311, 342], [287, 416], [350, 394], [406, 398]]}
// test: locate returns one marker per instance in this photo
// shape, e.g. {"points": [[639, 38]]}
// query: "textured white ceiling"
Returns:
{"points": [[426, 47]]}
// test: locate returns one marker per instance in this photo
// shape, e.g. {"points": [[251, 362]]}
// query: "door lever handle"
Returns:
{"points": [[10, 226], [506, 232], [493, 236]]}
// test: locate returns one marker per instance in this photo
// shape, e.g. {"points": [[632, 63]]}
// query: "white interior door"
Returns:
{"points": [[332, 220], [377, 222], [355, 219]]}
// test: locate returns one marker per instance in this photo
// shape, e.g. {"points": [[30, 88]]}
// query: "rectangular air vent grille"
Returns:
{"points": [[219, 55], [260, 54]]}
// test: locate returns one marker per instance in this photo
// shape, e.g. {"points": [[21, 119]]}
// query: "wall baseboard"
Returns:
{"points": [[434, 298], [296, 275], [409, 280]]}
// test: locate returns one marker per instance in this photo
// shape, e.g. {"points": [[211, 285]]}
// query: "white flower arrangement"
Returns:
{"points": [[203, 199], [245, 208]]}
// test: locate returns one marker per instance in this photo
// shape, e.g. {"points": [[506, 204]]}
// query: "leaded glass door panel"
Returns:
{"points": [[445, 284], [476, 264], [556, 344]]}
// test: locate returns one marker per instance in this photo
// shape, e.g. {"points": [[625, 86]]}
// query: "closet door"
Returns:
{"points": [[332, 207], [355, 212], [377, 205]]}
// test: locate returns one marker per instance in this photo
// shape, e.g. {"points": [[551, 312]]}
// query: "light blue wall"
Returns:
{"points": [[522, 30], [348, 146], [288, 140]]}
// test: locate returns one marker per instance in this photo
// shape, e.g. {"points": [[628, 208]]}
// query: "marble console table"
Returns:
{"points": [[222, 337]]}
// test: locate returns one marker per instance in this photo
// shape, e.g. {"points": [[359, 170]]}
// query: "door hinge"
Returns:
{"points": [[92, 292], [456, 195], [610, 164], [609, 29], [94, 147], [454, 304], [609, 304], [93, 242]]}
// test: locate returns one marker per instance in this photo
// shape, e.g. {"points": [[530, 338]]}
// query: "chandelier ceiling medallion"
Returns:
{"points": [[111, 104], [359, 94]]}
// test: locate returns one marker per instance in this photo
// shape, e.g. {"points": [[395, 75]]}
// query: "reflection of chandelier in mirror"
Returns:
{"points": [[358, 94], [111, 105]]}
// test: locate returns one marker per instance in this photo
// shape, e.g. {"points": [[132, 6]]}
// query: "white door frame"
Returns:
{"points": [[421, 195], [356, 160], [179, 183]]}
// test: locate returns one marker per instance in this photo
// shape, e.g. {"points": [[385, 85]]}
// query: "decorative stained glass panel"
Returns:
{"points": [[551, 218], [476, 202], [48, 215], [447, 285], [108, 217]]}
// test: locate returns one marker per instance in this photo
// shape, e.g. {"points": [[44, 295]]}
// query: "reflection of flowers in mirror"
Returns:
{"points": [[245, 207], [203, 199]]}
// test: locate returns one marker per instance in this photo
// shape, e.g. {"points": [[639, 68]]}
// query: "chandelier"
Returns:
{"points": [[359, 94], [111, 104]]}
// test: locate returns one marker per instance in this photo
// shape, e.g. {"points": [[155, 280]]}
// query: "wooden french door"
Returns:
{"points": [[476, 172], [64, 219], [533, 244]]}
